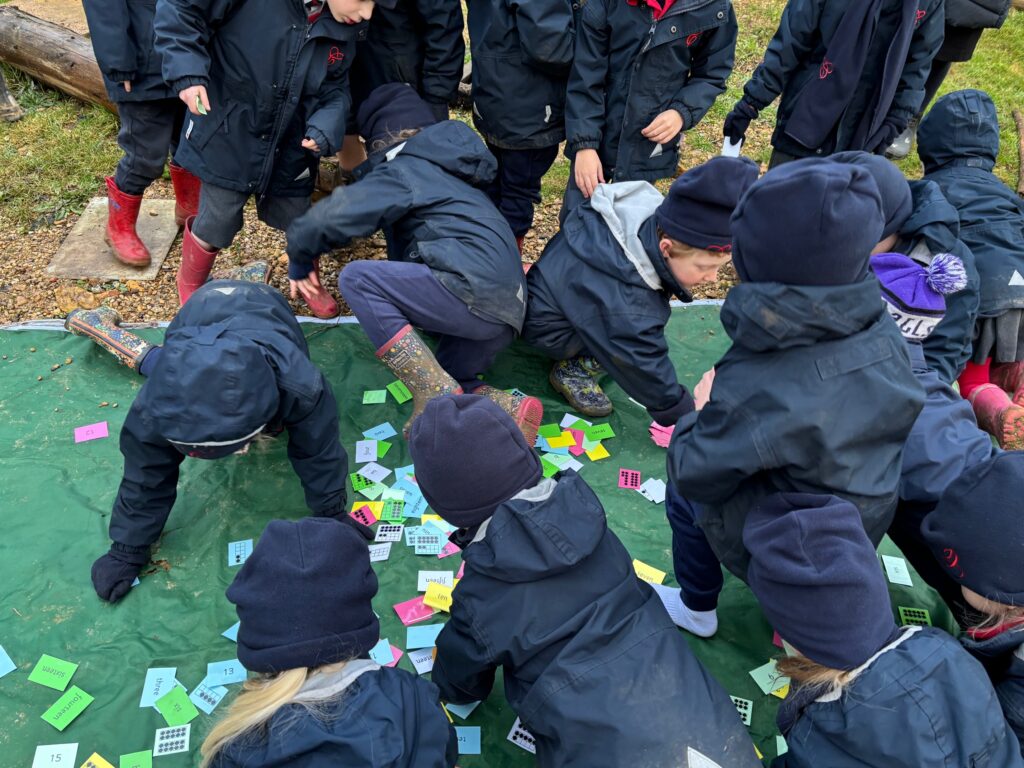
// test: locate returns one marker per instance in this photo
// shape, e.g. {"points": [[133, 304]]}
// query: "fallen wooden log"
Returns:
{"points": [[51, 54]]}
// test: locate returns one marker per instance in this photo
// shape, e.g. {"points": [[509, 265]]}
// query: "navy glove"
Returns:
{"points": [[737, 121], [439, 109], [887, 134], [113, 574]]}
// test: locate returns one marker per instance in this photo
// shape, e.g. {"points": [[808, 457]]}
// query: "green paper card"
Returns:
{"points": [[393, 511], [580, 424], [400, 392], [549, 468], [67, 708], [550, 430], [52, 672], [373, 490], [599, 432], [374, 396], [911, 616], [382, 449], [137, 759], [176, 707]]}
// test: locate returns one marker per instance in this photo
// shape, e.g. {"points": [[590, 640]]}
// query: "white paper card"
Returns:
{"points": [[653, 489], [51, 755], [731, 150], [171, 741], [522, 738], [366, 450], [380, 552], [444, 578], [388, 532], [374, 472], [897, 571], [422, 659]]}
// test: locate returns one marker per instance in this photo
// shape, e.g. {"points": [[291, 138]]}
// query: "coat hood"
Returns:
{"points": [[765, 317], [453, 146], [541, 532], [933, 217], [961, 129], [625, 207]]}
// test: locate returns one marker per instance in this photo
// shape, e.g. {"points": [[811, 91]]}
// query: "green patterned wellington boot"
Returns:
{"points": [[576, 380], [103, 325], [527, 412], [415, 365], [253, 272]]}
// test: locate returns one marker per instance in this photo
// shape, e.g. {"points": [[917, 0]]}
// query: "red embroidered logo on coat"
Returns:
{"points": [[920, 16], [692, 39], [827, 68], [335, 56]]}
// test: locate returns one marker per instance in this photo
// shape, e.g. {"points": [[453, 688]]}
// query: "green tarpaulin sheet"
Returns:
{"points": [[55, 499]]}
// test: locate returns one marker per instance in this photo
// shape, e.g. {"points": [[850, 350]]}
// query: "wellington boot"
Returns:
{"points": [[122, 213], [999, 416], [576, 380], [103, 325], [1010, 378], [186, 194], [527, 412], [321, 303], [253, 272], [415, 365], [196, 263]]}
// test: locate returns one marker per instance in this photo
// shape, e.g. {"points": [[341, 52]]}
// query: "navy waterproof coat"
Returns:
{"points": [[977, 14], [1003, 659], [522, 51], [958, 142], [602, 288], [797, 51], [427, 195], [307, 409], [122, 39], [629, 68], [921, 702], [934, 228], [815, 395], [592, 664], [417, 42], [273, 79], [376, 718]]}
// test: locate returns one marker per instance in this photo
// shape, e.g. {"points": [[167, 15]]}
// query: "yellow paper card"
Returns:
{"points": [[781, 693], [426, 518], [95, 761], [438, 596], [648, 573], [598, 453], [565, 440], [758, 753], [377, 507]]}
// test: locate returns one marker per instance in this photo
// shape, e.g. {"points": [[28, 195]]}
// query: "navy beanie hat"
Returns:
{"points": [[808, 222], [699, 204], [210, 391], [303, 597], [470, 457], [390, 109], [976, 530], [816, 575], [897, 201]]}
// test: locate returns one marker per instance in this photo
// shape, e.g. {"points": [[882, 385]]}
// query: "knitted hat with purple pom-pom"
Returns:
{"points": [[915, 294]]}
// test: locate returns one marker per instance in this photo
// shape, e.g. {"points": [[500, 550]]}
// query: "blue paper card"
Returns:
{"points": [[207, 698], [381, 652], [380, 432], [415, 504], [401, 472], [224, 673], [238, 552], [159, 680], [469, 739], [6, 664], [403, 483], [231, 633], [411, 532], [462, 710], [424, 636], [543, 445]]}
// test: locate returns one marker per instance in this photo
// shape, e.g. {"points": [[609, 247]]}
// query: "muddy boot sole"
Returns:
{"points": [[596, 412]]}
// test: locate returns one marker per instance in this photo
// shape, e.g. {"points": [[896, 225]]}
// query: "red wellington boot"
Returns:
{"points": [[322, 303], [186, 194], [196, 263], [1010, 378], [122, 213], [999, 416]]}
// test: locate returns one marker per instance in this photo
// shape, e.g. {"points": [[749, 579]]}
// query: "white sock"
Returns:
{"points": [[700, 623]]}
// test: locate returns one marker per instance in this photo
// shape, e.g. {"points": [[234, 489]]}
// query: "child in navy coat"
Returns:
{"points": [[306, 626], [452, 266], [599, 295], [266, 86], [851, 75], [863, 692], [234, 365], [976, 536], [816, 393], [151, 117], [958, 142], [642, 74], [591, 663]]}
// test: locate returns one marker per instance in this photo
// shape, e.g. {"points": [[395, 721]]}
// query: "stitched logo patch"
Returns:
{"points": [[827, 68], [335, 56], [692, 39]]}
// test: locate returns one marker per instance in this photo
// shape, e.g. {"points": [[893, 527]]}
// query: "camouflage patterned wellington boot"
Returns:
{"points": [[576, 380], [103, 325], [253, 272]]}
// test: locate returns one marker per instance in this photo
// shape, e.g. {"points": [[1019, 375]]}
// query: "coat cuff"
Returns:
{"points": [[298, 270], [314, 133], [120, 75], [578, 144], [136, 554], [669, 416], [181, 83], [685, 112]]}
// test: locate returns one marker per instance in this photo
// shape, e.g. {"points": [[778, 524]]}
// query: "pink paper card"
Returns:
{"points": [[363, 515], [462, 570], [412, 611], [91, 432], [396, 655], [448, 550], [578, 436], [777, 640], [629, 479]]}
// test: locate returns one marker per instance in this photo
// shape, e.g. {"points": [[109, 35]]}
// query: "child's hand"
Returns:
{"points": [[193, 97], [589, 172], [308, 286], [664, 127], [702, 392], [127, 85], [311, 145]]}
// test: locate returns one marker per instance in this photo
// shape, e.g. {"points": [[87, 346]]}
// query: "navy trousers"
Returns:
{"points": [[516, 188], [697, 568], [149, 133]]}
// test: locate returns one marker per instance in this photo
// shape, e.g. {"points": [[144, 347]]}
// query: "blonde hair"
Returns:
{"points": [[393, 138], [260, 700], [681, 250], [804, 672], [1011, 613]]}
